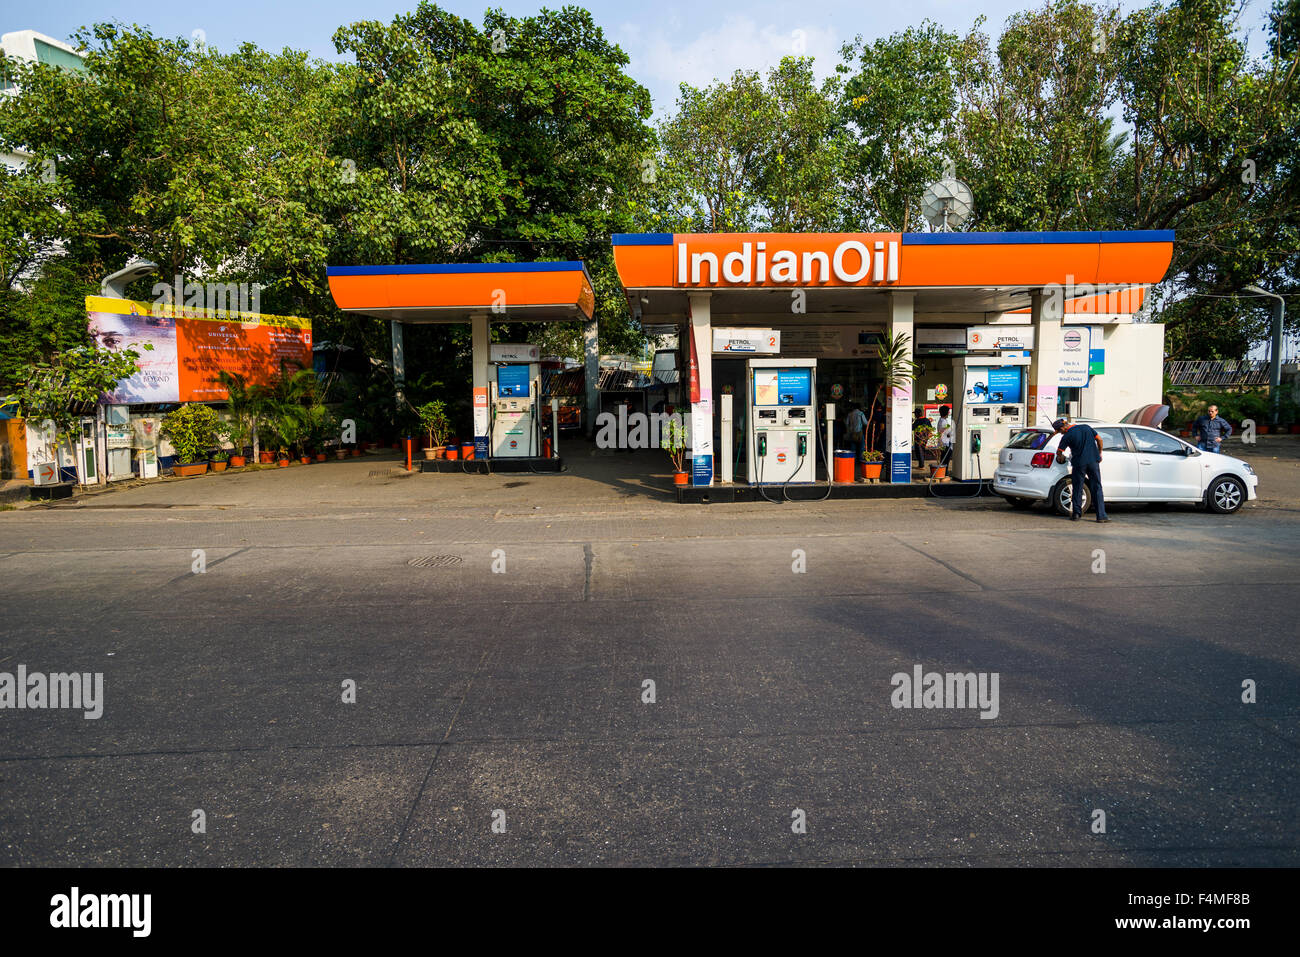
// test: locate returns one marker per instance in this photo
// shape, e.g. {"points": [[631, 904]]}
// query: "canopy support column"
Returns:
{"points": [[700, 388], [898, 404], [1046, 310]]}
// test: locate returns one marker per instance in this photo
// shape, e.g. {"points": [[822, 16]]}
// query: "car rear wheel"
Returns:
{"points": [[1062, 498], [1225, 496]]}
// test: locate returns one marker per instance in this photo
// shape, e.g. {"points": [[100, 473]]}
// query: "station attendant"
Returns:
{"points": [[1084, 445]]}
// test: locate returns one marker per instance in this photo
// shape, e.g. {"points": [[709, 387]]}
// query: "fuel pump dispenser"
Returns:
{"points": [[781, 425], [515, 388], [991, 411]]}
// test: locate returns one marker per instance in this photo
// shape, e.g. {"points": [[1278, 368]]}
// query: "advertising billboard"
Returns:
{"points": [[190, 348]]}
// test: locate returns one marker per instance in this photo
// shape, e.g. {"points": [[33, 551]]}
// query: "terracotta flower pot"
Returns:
{"points": [[871, 470], [430, 454], [218, 466], [305, 459], [356, 453], [237, 461], [282, 463], [320, 456], [940, 471], [340, 454], [265, 458], [681, 478], [190, 468]]}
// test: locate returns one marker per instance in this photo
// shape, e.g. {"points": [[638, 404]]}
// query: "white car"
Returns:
{"points": [[1138, 464]]}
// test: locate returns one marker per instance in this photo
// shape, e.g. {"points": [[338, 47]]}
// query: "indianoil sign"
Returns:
{"points": [[776, 259], [890, 260]]}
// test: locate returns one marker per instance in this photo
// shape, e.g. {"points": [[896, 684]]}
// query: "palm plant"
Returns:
{"points": [[290, 427], [283, 408], [240, 408], [899, 370]]}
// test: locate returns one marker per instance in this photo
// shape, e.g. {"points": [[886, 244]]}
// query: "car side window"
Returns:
{"points": [[1112, 440], [1148, 440]]}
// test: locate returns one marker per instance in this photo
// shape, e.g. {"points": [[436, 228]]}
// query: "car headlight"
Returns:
{"points": [[1249, 470]]}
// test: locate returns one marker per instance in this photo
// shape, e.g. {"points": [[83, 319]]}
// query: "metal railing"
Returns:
{"points": [[1234, 373]]}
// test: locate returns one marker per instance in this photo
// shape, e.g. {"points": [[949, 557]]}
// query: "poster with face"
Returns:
{"points": [[158, 378], [191, 350]]}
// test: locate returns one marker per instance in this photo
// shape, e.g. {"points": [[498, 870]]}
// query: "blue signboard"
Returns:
{"points": [[702, 470], [900, 467]]}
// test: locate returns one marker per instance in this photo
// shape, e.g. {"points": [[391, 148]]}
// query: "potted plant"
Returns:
{"points": [[241, 413], [288, 429], [672, 439], [217, 460], [436, 424], [872, 462], [321, 427], [192, 431], [898, 371]]}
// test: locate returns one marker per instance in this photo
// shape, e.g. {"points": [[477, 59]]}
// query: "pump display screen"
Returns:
{"points": [[512, 381], [783, 387], [992, 384]]}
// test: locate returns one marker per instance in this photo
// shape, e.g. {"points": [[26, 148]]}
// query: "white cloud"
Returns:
{"points": [[665, 56]]}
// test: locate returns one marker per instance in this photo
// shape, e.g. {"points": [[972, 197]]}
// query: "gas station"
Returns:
{"points": [[1009, 329], [774, 330], [508, 413]]}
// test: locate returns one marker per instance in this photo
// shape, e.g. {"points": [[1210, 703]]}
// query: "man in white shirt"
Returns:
{"points": [[945, 434]]}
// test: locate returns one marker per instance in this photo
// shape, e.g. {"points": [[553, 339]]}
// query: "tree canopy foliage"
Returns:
{"points": [[435, 139]]}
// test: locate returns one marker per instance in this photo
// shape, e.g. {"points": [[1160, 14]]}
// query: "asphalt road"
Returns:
{"points": [[520, 690]]}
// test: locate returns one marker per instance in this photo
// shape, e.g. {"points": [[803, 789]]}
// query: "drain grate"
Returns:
{"points": [[435, 561], [380, 473]]}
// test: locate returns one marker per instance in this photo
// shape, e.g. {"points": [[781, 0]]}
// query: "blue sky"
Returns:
{"points": [[668, 42]]}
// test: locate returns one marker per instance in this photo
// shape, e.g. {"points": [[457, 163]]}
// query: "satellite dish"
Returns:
{"points": [[947, 204]]}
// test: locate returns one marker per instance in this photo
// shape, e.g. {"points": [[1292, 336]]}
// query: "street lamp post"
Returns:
{"points": [[1275, 363]]}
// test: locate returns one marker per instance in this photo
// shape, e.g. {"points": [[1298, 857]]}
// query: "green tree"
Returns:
{"points": [[1035, 140], [752, 153], [899, 107], [65, 388], [1214, 157]]}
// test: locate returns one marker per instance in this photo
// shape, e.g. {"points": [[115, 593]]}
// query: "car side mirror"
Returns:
{"points": [[1189, 451]]}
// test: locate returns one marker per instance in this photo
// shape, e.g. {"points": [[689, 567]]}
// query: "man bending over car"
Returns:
{"points": [[1084, 445]]}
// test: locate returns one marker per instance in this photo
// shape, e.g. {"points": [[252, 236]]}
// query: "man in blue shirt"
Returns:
{"points": [[1084, 445], [1210, 430]]}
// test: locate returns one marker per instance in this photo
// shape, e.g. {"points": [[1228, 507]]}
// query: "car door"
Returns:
{"points": [[1166, 473], [1119, 465]]}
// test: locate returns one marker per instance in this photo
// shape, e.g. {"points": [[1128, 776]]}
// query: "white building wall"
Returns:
{"points": [[1134, 376]]}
